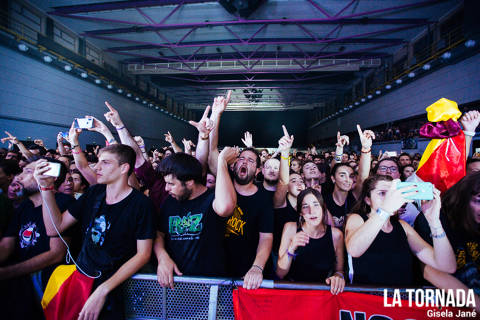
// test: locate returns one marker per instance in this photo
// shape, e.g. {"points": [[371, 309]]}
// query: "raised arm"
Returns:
{"points": [[79, 157], [341, 142], [470, 122], [219, 105], [187, 146], [225, 194], [366, 139], [247, 139], [61, 147], [141, 144], [12, 139], [284, 145], [204, 127], [441, 256], [173, 144], [113, 117], [52, 217]]}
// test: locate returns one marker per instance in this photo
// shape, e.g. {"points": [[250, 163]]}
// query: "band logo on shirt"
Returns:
{"points": [[235, 224], [189, 225], [28, 235]]}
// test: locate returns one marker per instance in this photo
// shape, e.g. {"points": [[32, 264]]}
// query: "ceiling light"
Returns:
{"points": [[150, 105], [98, 81], [388, 87], [369, 96], [84, 75], [426, 66], [129, 95], [378, 92], [363, 99], [398, 81], [109, 86], [47, 59], [68, 67], [470, 43], [156, 107], [137, 99], [119, 90], [22, 47], [350, 107], [446, 55], [144, 102], [411, 74], [357, 103]]}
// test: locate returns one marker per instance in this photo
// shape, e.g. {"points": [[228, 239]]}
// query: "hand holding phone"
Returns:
{"points": [[424, 190], [83, 123], [54, 170]]}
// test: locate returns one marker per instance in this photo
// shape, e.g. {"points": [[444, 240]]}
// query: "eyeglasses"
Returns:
{"points": [[391, 169]]}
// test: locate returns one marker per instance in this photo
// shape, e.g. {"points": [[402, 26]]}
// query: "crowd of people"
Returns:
{"points": [[335, 218]]}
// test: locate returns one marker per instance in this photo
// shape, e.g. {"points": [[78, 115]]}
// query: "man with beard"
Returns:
{"points": [[249, 231], [191, 224], [27, 254], [270, 172]]}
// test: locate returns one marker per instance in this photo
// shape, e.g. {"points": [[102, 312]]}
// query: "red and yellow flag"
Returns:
{"points": [[66, 293], [444, 161]]}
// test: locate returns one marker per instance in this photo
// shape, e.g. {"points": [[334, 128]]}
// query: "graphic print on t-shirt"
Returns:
{"points": [[99, 230], [188, 227], [236, 223], [28, 235]]}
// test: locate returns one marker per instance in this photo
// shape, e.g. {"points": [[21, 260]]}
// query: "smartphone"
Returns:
{"points": [[425, 190], [391, 154], [64, 135], [54, 170], [83, 123]]}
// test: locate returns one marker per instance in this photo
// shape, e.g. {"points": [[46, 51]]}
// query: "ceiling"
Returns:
{"points": [[286, 55]]}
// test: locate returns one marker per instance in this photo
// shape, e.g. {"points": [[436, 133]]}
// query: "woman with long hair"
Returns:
{"points": [[312, 250], [380, 246]]}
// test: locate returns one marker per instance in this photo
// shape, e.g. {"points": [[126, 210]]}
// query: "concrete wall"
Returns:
{"points": [[459, 82], [38, 101]]}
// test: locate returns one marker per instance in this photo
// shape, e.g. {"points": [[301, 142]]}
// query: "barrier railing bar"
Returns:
{"points": [[212, 303]]}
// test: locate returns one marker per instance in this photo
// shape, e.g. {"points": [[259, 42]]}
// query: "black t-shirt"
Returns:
{"points": [[110, 232], [6, 212], [282, 216], [28, 227], [253, 214], [194, 235], [339, 213]]}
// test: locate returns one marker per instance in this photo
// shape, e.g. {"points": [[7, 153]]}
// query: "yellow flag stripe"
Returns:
{"points": [[56, 280], [431, 147]]}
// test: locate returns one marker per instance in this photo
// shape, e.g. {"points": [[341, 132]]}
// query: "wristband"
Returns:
{"points": [[288, 158], [261, 269], [291, 255], [383, 214], [76, 152], [469, 133], [142, 146], [51, 188], [204, 138], [120, 128], [340, 274], [368, 151], [111, 141], [438, 235], [75, 145]]}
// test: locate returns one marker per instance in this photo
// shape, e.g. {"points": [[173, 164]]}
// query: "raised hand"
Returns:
{"points": [[169, 137], [470, 120], [285, 142], [220, 103], [205, 125], [431, 209], [247, 139], [187, 144], [395, 198], [39, 142], [342, 140], [139, 141], [11, 138], [229, 154], [113, 116], [42, 180], [98, 126], [366, 138]]}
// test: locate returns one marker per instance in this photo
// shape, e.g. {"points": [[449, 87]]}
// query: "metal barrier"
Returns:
{"points": [[200, 298]]}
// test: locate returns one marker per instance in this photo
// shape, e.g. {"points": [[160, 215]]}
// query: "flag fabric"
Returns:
{"points": [[275, 304], [443, 162], [66, 292]]}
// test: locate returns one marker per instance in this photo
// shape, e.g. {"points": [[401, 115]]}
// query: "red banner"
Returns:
{"points": [[314, 304]]}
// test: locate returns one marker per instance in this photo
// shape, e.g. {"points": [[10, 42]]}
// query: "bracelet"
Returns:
{"points": [[469, 133], [74, 146], [438, 236], [120, 128], [51, 188], [204, 138], [142, 146], [111, 141], [291, 255], [288, 158], [76, 152], [261, 269], [339, 273], [368, 151]]}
